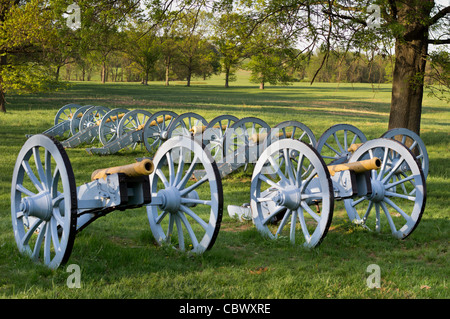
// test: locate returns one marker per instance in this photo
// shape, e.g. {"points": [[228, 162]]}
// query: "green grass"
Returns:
{"points": [[118, 256]]}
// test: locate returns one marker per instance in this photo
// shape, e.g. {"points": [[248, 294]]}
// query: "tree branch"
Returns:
{"points": [[439, 15], [345, 17], [444, 41]]}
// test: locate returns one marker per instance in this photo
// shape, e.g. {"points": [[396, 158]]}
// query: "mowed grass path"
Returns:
{"points": [[119, 258]]}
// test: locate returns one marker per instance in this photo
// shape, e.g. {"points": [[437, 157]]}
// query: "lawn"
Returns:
{"points": [[119, 258]]}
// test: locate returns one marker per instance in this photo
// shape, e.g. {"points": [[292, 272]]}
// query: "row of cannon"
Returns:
{"points": [[120, 128], [295, 182]]}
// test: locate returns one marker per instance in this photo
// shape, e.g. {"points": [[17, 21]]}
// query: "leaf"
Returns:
{"points": [[259, 270]]}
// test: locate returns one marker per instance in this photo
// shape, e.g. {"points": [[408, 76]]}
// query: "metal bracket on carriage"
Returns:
{"points": [[112, 189], [116, 145], [353, 179], [86, 135]]}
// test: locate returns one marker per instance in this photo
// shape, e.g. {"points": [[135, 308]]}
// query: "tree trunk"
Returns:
{"points": [[407, 85], [58, 68], [227, 75], [167, 70], [145, 79], [2, 99], [188, 78], [409, 71], [3, 62], [261, 85], [103, 75]]}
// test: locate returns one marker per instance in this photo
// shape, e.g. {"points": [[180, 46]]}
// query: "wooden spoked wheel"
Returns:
{"points": [[44, 201]]}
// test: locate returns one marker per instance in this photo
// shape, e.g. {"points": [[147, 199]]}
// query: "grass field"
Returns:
{"points": [[118, 256]]}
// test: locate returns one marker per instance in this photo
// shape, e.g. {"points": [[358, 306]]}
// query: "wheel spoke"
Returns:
{"points": [[398, 209], [31, 231], [331, 148], [338, 143], [171, 168], [163, 178], [54, 231], [283, 223], [38, 244], [23, 190], [400, 181], [299, 170], [178, 223], [305, 231], [392, 194], [356, 202], [47, 245], [161, 217], [293, 226], [180, 168], [289, 166], [32, 177], [190, 213], [393, 169], [277, 210], [389, 218], [189, 229], [269, 181], [188, 174], [310, 212]]}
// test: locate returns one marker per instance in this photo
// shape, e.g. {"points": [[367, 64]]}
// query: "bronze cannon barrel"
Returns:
{"points": [[144, 167], [358, 167]]}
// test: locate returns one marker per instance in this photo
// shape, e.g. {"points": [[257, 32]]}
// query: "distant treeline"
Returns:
{"points": [[336, 67]]}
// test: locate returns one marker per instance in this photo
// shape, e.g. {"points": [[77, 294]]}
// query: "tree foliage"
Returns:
{"points": [[279, 40]]}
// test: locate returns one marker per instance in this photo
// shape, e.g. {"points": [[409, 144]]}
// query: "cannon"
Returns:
{"points": [[128, 133], [48, 209], [93, 126], [63, 119], [293, 190], [234, 143], [339, 142]]}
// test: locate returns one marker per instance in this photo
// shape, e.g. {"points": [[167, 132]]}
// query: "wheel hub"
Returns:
{"points": [[39, 205], [164, 135], [171, 199], [289, 197], [378, 191]]}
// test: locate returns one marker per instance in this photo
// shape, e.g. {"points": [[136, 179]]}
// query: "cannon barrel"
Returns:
{"points": [[142, 168], [358, 167], [200, 129]]}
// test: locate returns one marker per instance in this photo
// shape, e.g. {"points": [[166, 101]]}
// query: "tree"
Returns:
{"points": [[25, 32], [168, 45], [142, 47], [270, 54], [101, 22], [192, 45], [356, 24], [230, 37]]}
